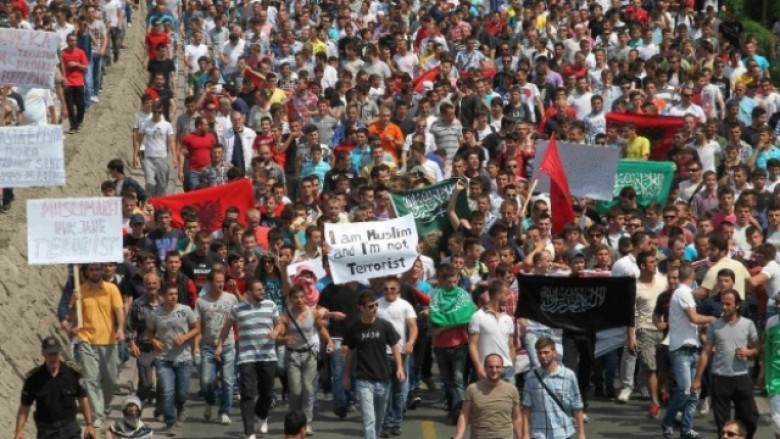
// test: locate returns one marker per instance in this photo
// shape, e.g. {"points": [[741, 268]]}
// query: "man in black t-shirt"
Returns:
{"points": [[163, 65], [197, 265], [368, 340]]}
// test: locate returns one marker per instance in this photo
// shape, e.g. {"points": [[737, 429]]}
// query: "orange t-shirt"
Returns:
{"points": [[390, 130]]}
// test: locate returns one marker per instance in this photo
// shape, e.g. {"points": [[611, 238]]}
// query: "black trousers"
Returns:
{"points": [[74, 99], [58, 430], [737, 389], [579, 356], [8, 195], [256, 381]]}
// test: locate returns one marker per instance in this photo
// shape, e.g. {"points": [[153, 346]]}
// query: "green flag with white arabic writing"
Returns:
{"points": [[651, 180], [428, 205], [772, 360]]}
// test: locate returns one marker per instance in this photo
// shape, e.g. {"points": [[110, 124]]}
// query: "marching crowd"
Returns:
{"points": [[329, 107]]}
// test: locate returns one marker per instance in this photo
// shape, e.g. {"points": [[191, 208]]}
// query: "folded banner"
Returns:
{"points": [[362, 251], [210, 203], [590, 169], [651, 180], [658, 129], [583, 304], [428, 205], [32, 156], [28, 58]]}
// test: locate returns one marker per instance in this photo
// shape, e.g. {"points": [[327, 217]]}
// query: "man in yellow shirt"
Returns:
{"points": [[275, 94], [102, 327], [637, 147]]}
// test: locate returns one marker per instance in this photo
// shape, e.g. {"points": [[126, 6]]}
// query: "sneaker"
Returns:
{"points": [[653, 411], [225, 419], [691, 435], [704, 407], [264, 426], [273, 404], [384, 434], [182, 415], [395, 431], [207, 413], [668, 433], [341, 412], [309, 430], [97, 423], [159, 417], [352, 409], [624, 395], [585, 418], [172, 430], [414, 402], [251, 436], [94, 99]]}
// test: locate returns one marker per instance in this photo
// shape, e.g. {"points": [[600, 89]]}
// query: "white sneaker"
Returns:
{"points": [[624, 395], [225, 419], [207, 413], [251, 436], [94, 99], [264, 426], [704, 407], [309, 430]]}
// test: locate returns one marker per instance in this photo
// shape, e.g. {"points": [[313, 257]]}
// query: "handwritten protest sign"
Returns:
{"points": [[31, 156], [28, 58], [428, 205], [590, 169], [361, 251], [581, 304], [74, 230]]}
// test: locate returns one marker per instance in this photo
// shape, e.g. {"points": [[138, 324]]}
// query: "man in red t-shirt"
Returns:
{"points": [[196, 148], [74, 62], [154, 38]]}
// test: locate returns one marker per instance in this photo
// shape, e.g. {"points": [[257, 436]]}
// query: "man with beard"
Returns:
{"points": [[491, 406]]}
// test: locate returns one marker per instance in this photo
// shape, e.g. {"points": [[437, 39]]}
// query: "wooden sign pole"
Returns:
{"points": [[77, 293]]}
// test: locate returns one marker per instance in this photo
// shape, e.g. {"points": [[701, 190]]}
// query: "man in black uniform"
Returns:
{"points": [[54, 387]]}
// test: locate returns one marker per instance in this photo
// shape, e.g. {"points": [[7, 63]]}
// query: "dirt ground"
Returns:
{"points": [[29, 294]]}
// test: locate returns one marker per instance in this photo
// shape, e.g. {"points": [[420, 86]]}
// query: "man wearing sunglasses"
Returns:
{"points": [[372, 336]]}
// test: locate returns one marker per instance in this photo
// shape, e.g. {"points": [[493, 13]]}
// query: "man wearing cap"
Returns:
{"points": [[53, 387]]}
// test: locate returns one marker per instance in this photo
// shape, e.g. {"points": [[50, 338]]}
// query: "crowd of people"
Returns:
{"points": [[329, 107]]}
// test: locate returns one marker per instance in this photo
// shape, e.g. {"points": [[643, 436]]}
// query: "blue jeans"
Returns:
{"points": [[89, 85], [209, 367], [682, 368], [373, 404], [341, 397], [398, 393], [452, 367], [96, 69], [195, 179], [174, 379]]}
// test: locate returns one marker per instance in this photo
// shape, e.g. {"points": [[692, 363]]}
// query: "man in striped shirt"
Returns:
{"points": [[255, 317]]}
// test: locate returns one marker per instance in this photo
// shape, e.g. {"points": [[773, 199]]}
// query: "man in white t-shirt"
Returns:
{"points": [[683, 354], [157, 137], [769, 276], [38, 106], [491, 331], [400, 313]]}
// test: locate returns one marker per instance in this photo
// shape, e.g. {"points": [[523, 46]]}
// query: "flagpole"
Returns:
{"points": [[530, 195]]}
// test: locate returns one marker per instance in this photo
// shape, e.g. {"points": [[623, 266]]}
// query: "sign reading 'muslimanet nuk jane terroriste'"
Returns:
{"points": [[74, 230], [361, 251]]}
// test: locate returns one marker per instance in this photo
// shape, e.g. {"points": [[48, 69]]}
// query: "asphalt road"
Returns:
{"points": [[607, 420]]}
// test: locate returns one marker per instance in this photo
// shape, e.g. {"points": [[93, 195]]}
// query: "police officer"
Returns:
{"points": [[54, 387]]}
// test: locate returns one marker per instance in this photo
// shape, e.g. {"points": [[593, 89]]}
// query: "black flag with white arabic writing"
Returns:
{"points": [[581, 304]]}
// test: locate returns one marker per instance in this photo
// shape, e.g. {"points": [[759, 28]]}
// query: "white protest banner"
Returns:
{"points": [[361, 251], [74, 230], [32, 156], [313, 265], [28, 57], [591, 170]]}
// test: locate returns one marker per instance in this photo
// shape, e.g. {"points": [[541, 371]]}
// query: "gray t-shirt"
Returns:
{"points": [[211, 313], [727, 338], [168, 324]]}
